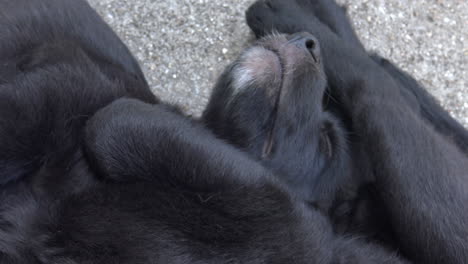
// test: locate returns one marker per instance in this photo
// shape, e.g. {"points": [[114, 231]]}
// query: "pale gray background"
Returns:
{"points": [[183, 45]]}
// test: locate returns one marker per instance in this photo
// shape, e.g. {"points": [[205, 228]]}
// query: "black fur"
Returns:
{"points": [[59, 64], [94, 169], [135, 182], [417, 152]]}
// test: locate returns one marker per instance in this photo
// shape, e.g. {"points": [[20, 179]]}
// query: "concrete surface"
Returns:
{"points": [[183, 45]]}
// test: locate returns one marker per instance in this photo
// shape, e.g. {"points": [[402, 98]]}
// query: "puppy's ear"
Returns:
{"points": [[133, 141]]}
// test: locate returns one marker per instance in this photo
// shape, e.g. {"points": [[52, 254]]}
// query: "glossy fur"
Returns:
{"points": [[94, 169], [415, 152]]}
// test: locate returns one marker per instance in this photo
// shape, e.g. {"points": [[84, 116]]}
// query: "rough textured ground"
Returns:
{"points": [[183, 45]]}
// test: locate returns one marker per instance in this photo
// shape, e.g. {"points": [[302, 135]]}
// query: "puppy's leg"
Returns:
{"points": [[429, 108], [238, 202], [334, 16], [421, 175], [59, 63]]}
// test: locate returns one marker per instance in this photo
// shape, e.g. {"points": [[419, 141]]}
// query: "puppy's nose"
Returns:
{"points": [[306, 41]]}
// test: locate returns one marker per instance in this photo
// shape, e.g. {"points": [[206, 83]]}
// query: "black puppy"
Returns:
{"points": [[136, 182], [302, 133], [416, 153], [269, 103]]}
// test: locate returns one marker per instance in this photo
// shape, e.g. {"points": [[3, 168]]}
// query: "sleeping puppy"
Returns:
{"points": [[269, 103], [416, 154], [91, 177], [95, 170], [272, 103], [300, 131]]}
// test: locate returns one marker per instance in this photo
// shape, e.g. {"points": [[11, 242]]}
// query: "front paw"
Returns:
{"points": [[268, 16], [279, 16]]}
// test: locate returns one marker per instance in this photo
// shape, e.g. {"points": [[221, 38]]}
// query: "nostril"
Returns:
{"points": [[307, 42], [310, 44]]}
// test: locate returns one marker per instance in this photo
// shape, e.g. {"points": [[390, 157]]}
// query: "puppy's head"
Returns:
{"points": [[270, 103]]}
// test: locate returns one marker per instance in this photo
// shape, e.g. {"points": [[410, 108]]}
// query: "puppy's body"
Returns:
{"points": [[138, 183], [59, 64], [89, 177]]}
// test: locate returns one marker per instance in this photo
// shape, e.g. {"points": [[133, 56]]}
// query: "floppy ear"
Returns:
{"points": [[133, 141]]}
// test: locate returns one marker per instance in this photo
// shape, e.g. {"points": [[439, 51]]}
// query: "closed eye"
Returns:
{"points": [[326, 140]]}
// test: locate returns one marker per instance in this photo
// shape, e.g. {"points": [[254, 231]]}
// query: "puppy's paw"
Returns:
{"points": [[267, 16], [292, 16], [328, 12], [335, 17]]}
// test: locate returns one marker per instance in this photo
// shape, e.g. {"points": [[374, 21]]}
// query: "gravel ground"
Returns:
{"points": [[183, 45]]}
